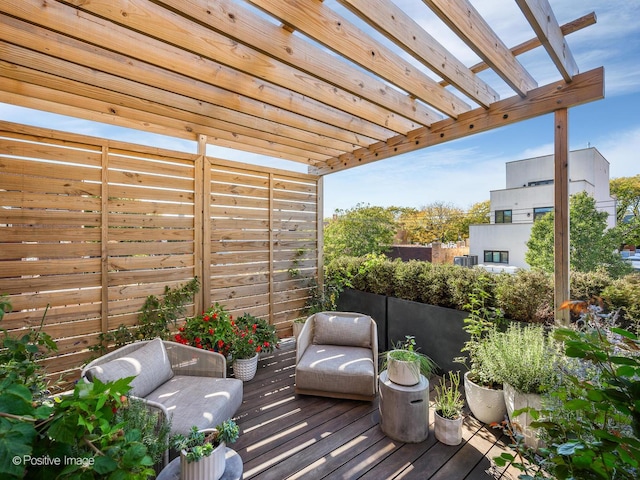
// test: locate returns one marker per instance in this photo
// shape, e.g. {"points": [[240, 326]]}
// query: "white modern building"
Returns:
{"points": [[529, 193]]}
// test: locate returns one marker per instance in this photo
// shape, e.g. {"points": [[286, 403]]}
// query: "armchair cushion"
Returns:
{"points": [[149, 365], [334, 329], [338, 369], [200, 401]]}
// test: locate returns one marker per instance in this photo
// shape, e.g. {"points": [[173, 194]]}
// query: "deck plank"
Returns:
{"points": [[284, 435]]}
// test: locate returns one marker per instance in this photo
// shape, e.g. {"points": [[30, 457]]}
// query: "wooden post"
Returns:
{"points": [[104, 240], [320, 233], [202, 226], [272, 246], [561, 216]]}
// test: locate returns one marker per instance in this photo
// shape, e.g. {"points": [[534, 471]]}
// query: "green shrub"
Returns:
{"points": [[407, 279], [624, 294], [523, 356], [526, 296], [585, 286]]}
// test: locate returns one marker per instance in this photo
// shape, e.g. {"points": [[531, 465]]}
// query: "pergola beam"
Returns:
{"points": [[544, 23], [585, 87], [323, 25], [461, 17], [400, 28]]}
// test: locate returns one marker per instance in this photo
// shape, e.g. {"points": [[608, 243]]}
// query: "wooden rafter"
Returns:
{"points": [[291, 79], [465, 20], [322, 24], [398, 26], [544, 23]]}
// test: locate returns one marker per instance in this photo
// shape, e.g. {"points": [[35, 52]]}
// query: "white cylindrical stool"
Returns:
{"points": [[404, 411]]}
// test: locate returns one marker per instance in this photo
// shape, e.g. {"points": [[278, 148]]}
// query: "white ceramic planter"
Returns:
{"points": [[448, 431], [515, 400], [245, 368], [401, 372], [486, 404], [211, 467]]}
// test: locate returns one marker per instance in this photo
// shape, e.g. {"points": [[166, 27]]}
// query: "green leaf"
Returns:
{"points": [[626, 371], [569, 448], [104, 465], [16, 399], [16, 439], [623, 360], [577, 404]]}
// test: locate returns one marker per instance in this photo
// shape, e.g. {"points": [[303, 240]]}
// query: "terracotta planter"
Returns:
{"points": [[515, 400], [245, 368], [486, 404], [448, 431], [402, 372], [211, 467]]}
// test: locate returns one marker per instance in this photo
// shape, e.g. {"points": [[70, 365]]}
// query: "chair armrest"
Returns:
{"points": [[187, 360], [374, 350], [305, 338]]}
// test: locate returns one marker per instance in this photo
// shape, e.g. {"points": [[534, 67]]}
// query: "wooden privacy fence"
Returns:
{"points": [[91, 227]]}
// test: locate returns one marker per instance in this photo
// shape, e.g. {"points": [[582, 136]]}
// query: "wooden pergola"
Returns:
{"points": [[290, 79]]}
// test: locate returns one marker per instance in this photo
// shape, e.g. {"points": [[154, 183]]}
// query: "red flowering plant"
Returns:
{"points": [[253, 335], [212, 330]]}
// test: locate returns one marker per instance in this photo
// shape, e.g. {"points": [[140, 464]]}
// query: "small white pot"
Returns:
{"points": [[401, 372], [448, 431], [211, 467], [486, 404], [245, 368], [515, 401]]}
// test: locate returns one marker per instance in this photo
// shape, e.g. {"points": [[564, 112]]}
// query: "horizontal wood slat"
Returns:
{"points": [[59, 249]]}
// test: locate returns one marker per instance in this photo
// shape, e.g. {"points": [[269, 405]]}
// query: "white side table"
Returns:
{"points": [[404, 411]]}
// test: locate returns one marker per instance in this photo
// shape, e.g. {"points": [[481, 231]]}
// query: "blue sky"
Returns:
{"points": [[465, 171]]}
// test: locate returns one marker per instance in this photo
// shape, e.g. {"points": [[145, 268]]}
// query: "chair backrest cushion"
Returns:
{"points": [[347, 330], [149, 364]]}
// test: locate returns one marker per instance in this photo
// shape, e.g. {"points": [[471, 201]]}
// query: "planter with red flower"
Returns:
{"points": [[211, 330], [251, 336]]}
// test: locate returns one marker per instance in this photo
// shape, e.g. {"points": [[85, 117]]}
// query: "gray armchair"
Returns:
{"points": [[337, 356]]}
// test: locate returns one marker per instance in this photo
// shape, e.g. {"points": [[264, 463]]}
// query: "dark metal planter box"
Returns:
{"points": [[438, 331]]}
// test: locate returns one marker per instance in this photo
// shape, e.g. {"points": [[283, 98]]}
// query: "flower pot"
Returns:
{"points": [[245, 368], [211, 467], [448, 431], [486, 404], [515, 400], [406, 373]]}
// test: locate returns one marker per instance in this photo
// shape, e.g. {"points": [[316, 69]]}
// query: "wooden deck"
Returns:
{"points": [[284, 435]]}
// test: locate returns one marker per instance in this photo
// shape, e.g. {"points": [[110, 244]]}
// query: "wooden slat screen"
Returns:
{"points": [[91, 227], [263, 241]]}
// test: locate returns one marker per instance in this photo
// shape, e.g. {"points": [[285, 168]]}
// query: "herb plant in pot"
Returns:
{"points": [[526, 360], [448, 410], [483, 388], [203, 452], [404, 364]]}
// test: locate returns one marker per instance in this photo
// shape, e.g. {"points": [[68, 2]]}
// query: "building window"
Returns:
{"points": [[541, 182], [496, 256], [538, 212], [503, 216]]}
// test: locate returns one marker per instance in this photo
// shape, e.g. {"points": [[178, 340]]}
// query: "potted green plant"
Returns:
{"points": [[525, 359], [211, 330], [483, 389], [297, 325], [404, 364], [448, 410], [203, 452]]}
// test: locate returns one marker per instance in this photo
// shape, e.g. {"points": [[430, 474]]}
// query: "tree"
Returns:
{"points": [[436, 222], [591, 245], [478, 213], [358, 231], [627, 192]]}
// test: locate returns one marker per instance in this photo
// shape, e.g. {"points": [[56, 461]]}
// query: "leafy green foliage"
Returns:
{"points": [[358, 231], [448, 402], [199, 444], [627, 193], [483, 318], [591, 245], [591, 423], [75, 435], [523, 356]]}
